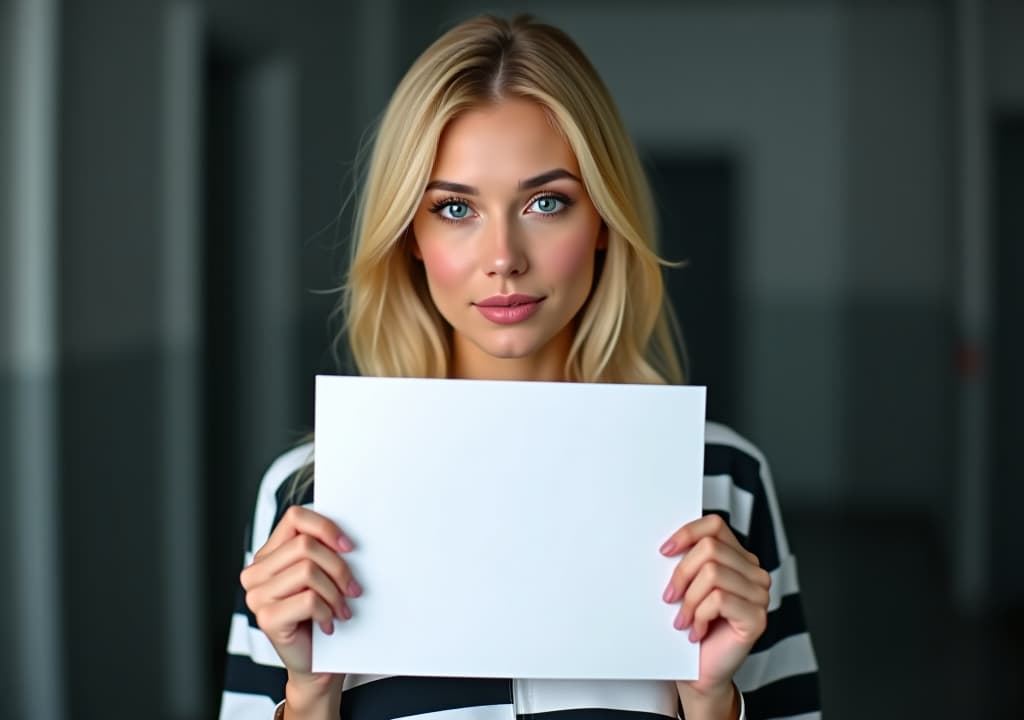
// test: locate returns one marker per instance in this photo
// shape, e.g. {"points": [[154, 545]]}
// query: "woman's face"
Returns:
{"points": [[508, 236]]}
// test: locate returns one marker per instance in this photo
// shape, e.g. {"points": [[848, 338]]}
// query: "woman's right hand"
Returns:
{"points": [[297, 578]]}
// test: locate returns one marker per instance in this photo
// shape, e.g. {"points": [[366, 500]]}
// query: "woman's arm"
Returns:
{"points": [[293, 576], [723, 595], [778, 675]]}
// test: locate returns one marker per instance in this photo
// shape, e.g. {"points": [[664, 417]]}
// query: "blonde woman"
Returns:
{"points": [[506, 232]]}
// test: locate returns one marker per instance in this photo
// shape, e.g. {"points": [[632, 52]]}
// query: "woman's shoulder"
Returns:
{"points": [[718, 435], [288, 463], [738, 485], [726, 452]]}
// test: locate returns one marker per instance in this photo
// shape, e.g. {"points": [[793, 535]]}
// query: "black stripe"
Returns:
{"points": [[284, 501], [745, 471], [793, 695], [250, 618], [396, 697], [242, 675], [784, 621], [242, 609], [593, 714]]}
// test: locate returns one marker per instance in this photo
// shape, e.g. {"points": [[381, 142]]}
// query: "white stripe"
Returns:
{"points": [[784, 582], [238, 635], [792, 656], [243, 706], [634, 695], [720, 493], [243, 639], [477, 712]]}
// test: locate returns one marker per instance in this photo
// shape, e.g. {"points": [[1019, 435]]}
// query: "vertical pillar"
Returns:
{"points": [[180, 291], [35, 445], [970, 544]]}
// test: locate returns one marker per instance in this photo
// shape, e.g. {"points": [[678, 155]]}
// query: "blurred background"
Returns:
{"points": [[846, 180]]}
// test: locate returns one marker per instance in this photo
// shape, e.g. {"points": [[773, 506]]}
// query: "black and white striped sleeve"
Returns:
{"points": [[779, 679], [254, 677]]}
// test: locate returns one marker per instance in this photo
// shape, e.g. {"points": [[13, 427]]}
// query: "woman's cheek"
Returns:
{"points": [[574, 255], [445, 267]]}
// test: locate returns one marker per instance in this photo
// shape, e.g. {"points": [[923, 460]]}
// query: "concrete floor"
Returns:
{"points": [[888, 641]]}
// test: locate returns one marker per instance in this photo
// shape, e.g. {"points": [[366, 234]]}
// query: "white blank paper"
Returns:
{"points": [[508, 529]]}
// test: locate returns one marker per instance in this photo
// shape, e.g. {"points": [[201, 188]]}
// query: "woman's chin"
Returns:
{"points": [[509, 350]]}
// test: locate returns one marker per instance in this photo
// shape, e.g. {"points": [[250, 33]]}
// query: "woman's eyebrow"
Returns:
{"points": [[452, 187], [536, 181], [547, 177]]}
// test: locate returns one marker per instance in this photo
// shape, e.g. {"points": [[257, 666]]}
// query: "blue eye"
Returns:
{"points": [[451, 210], [549, 205], [455, 210]]}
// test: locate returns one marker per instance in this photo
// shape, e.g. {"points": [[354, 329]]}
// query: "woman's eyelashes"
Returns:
{"points": [[452, 210], [457, 210], [549, 204]]}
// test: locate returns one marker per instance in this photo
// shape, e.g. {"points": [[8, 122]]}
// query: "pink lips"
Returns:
{"points": [[508, 309]]}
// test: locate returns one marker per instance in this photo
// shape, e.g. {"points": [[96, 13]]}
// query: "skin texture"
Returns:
{"points": [[493, 236]]}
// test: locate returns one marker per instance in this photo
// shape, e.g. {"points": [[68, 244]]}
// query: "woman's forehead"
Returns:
{"points": [[504, 142]]}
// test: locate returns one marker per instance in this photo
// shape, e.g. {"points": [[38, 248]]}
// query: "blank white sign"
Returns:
{"points": [[508, 529]]}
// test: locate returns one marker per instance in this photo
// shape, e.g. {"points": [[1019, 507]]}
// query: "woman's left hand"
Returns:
{"points": [[724, 593]]}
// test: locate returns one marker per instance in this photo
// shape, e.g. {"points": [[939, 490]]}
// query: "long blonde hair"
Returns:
{"points": [[625, 332]]}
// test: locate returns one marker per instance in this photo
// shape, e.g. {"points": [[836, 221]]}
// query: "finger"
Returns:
{"points": [[746, 618], [280, 620], [301, 547], [713, 576], [712, 549], [297, 579], [298, 519], [693, 532], [712, 525]]}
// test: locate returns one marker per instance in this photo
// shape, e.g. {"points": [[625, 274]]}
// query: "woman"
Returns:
{"points": [[506, 232]]}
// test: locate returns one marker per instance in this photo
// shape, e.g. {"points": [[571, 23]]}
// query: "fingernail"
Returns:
{"points": [[668, 548], [353, 589], [344, 544], [328, 628], [669, 595], [345, 612], [678, 622], [693, 635]]}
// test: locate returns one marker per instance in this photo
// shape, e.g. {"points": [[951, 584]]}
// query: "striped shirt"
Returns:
{"points": [[778, 679]]}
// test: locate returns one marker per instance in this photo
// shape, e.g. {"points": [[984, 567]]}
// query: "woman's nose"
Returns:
{"points": [[502, 252]]}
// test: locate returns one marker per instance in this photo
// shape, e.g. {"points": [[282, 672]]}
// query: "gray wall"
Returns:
{"points": [[899, 244], [110, 346]]}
